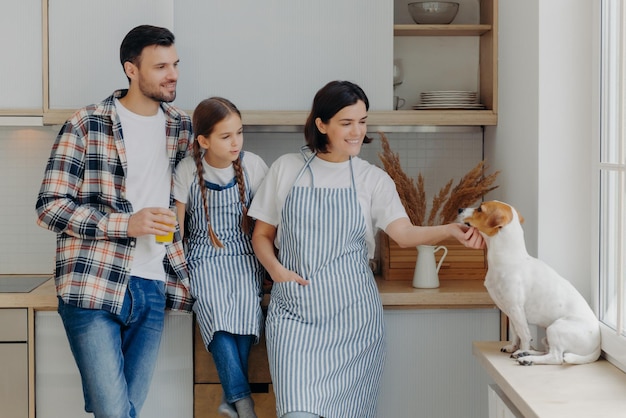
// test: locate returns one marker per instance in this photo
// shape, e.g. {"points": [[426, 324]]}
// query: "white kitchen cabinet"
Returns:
{"points": [[261, 55], [499, 405], [275, 55], [430, 370], [84, 40], [14, 363], [271, 58], [58, 390], [21, 72]]}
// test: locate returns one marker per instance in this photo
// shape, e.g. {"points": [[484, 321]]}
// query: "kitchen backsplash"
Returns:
{"points": [[29, 249]]}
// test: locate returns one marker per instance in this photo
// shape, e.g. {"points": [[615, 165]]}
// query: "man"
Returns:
{"points": [[106, 192]]}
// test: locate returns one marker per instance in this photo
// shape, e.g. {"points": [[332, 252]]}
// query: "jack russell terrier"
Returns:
{"points": [[529, 291]]}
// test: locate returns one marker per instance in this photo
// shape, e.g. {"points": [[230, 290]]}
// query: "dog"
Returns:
{"points": [[529, 291]]}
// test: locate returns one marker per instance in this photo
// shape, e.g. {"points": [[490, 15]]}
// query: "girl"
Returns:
{"points": [[213, 188], [324, 326]]}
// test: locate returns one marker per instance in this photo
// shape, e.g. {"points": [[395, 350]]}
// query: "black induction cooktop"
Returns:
{"points": [[21, 283]]}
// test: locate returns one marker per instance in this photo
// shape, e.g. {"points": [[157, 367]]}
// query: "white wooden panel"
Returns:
{"points": [[430, 370], [499, 405], [20, 72], [85, 38], [13, 325], [274, 55], [14, 380], [58, 388]]}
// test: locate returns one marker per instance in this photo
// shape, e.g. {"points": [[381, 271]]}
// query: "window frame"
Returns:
{"points": [[610, 231]]}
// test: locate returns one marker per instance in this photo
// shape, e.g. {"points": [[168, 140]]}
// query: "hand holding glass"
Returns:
{"points": [[168, 238]]}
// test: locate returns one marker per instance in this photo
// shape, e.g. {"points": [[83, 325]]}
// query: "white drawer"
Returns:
{"points": [[13, 325]]}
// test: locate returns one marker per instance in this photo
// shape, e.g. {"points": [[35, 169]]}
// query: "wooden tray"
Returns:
{"points": [[460, 263]]}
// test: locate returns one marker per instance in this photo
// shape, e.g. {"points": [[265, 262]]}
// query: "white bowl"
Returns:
{"points": [[433, 12]]}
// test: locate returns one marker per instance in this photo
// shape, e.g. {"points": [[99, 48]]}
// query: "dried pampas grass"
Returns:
{"points": [[471, 188], [412, 194]]}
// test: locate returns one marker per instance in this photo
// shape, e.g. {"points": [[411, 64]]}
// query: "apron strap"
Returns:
{"points": [[307, 163]]}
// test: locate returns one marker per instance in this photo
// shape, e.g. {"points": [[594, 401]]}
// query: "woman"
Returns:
{"points": [[321, 208]]}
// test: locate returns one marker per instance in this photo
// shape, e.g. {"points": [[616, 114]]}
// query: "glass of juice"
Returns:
{"points": [[167, 238]]}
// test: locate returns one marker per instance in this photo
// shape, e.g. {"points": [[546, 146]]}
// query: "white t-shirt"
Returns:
{"points": [[186, 173], [148, 182], [376, 191]]}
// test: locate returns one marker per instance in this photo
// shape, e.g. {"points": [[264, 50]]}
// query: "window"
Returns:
{"points": [[611, 180]]}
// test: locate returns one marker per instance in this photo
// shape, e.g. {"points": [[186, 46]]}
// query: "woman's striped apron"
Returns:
{"points": [[325, 340], [226, 282]]}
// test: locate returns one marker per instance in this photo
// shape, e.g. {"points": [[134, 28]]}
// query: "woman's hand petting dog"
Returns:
{"points": [[468, 236]]}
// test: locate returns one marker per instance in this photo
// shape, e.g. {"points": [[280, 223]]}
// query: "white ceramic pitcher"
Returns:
{"points": [[426, 274]]}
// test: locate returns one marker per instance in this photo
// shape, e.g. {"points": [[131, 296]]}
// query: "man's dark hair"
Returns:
{"points": [[139, 38]]}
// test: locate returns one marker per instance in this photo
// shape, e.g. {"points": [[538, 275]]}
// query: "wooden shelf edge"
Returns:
{"points": [[21, 112], [433, 117], [440, 30], [375, 117]]}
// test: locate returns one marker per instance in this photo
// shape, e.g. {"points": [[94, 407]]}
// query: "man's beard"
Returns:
{"points": [[156, 94]]}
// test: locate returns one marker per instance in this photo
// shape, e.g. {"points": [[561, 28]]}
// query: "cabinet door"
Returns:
{"points": [[84, 44], [208, 397], [204, 366], [14, 380], [13, 325], [21, 73], [58, 391], [499, 405], [274, 55], [430, 370], [261, 55], [14, 363]]}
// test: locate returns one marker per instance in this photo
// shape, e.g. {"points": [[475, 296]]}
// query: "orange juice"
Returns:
{"points": [[165, 239]]}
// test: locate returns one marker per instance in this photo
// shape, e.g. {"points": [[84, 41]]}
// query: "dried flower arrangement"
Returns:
{"points": [[471, 187]]}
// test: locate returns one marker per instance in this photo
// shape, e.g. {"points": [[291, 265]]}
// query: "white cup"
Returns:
{"points": [[398, 102]]}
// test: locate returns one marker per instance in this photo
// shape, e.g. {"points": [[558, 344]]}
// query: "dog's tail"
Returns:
{"points": [[572, 358]]}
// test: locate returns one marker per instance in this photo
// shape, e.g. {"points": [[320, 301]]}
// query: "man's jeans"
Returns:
{"points": [[116, 354], [230, 354]]}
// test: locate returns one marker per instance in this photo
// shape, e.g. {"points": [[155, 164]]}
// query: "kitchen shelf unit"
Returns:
{"points": [[487, 31]]}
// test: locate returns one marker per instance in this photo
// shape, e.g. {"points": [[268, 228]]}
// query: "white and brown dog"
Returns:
{"points": [[529, 291]]}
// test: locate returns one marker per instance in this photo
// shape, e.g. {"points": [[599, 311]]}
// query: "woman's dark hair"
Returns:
{"points": [[206, 115], [329, 100], [140, 37]]}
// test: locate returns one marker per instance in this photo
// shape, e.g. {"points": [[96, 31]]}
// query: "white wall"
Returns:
{"points": [[511, 146], [542, 142]]}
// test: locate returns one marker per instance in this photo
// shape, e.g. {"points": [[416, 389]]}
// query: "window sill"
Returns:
{"points": [[588, 390]]}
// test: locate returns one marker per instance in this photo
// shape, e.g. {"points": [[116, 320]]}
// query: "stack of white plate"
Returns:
{"points": [[449, 99]]}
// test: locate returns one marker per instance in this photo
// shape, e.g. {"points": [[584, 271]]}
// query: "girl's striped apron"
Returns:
{"points": [[325, 340], [226, 282]]}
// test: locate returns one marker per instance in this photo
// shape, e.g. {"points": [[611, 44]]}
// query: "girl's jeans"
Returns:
{"points": [[116, 354], [230, 354]]}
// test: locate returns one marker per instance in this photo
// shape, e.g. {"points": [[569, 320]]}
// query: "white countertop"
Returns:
{"points": [[596, 390]]}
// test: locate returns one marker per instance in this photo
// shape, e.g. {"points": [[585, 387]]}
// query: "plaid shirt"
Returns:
{"points": [[83, 199]]}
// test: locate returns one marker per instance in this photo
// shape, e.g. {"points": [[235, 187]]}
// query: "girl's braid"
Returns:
{"points": [[197, 156], [246, 224]]}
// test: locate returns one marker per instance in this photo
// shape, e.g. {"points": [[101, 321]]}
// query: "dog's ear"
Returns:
{"points": [[499, 218], [519, 215]]}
